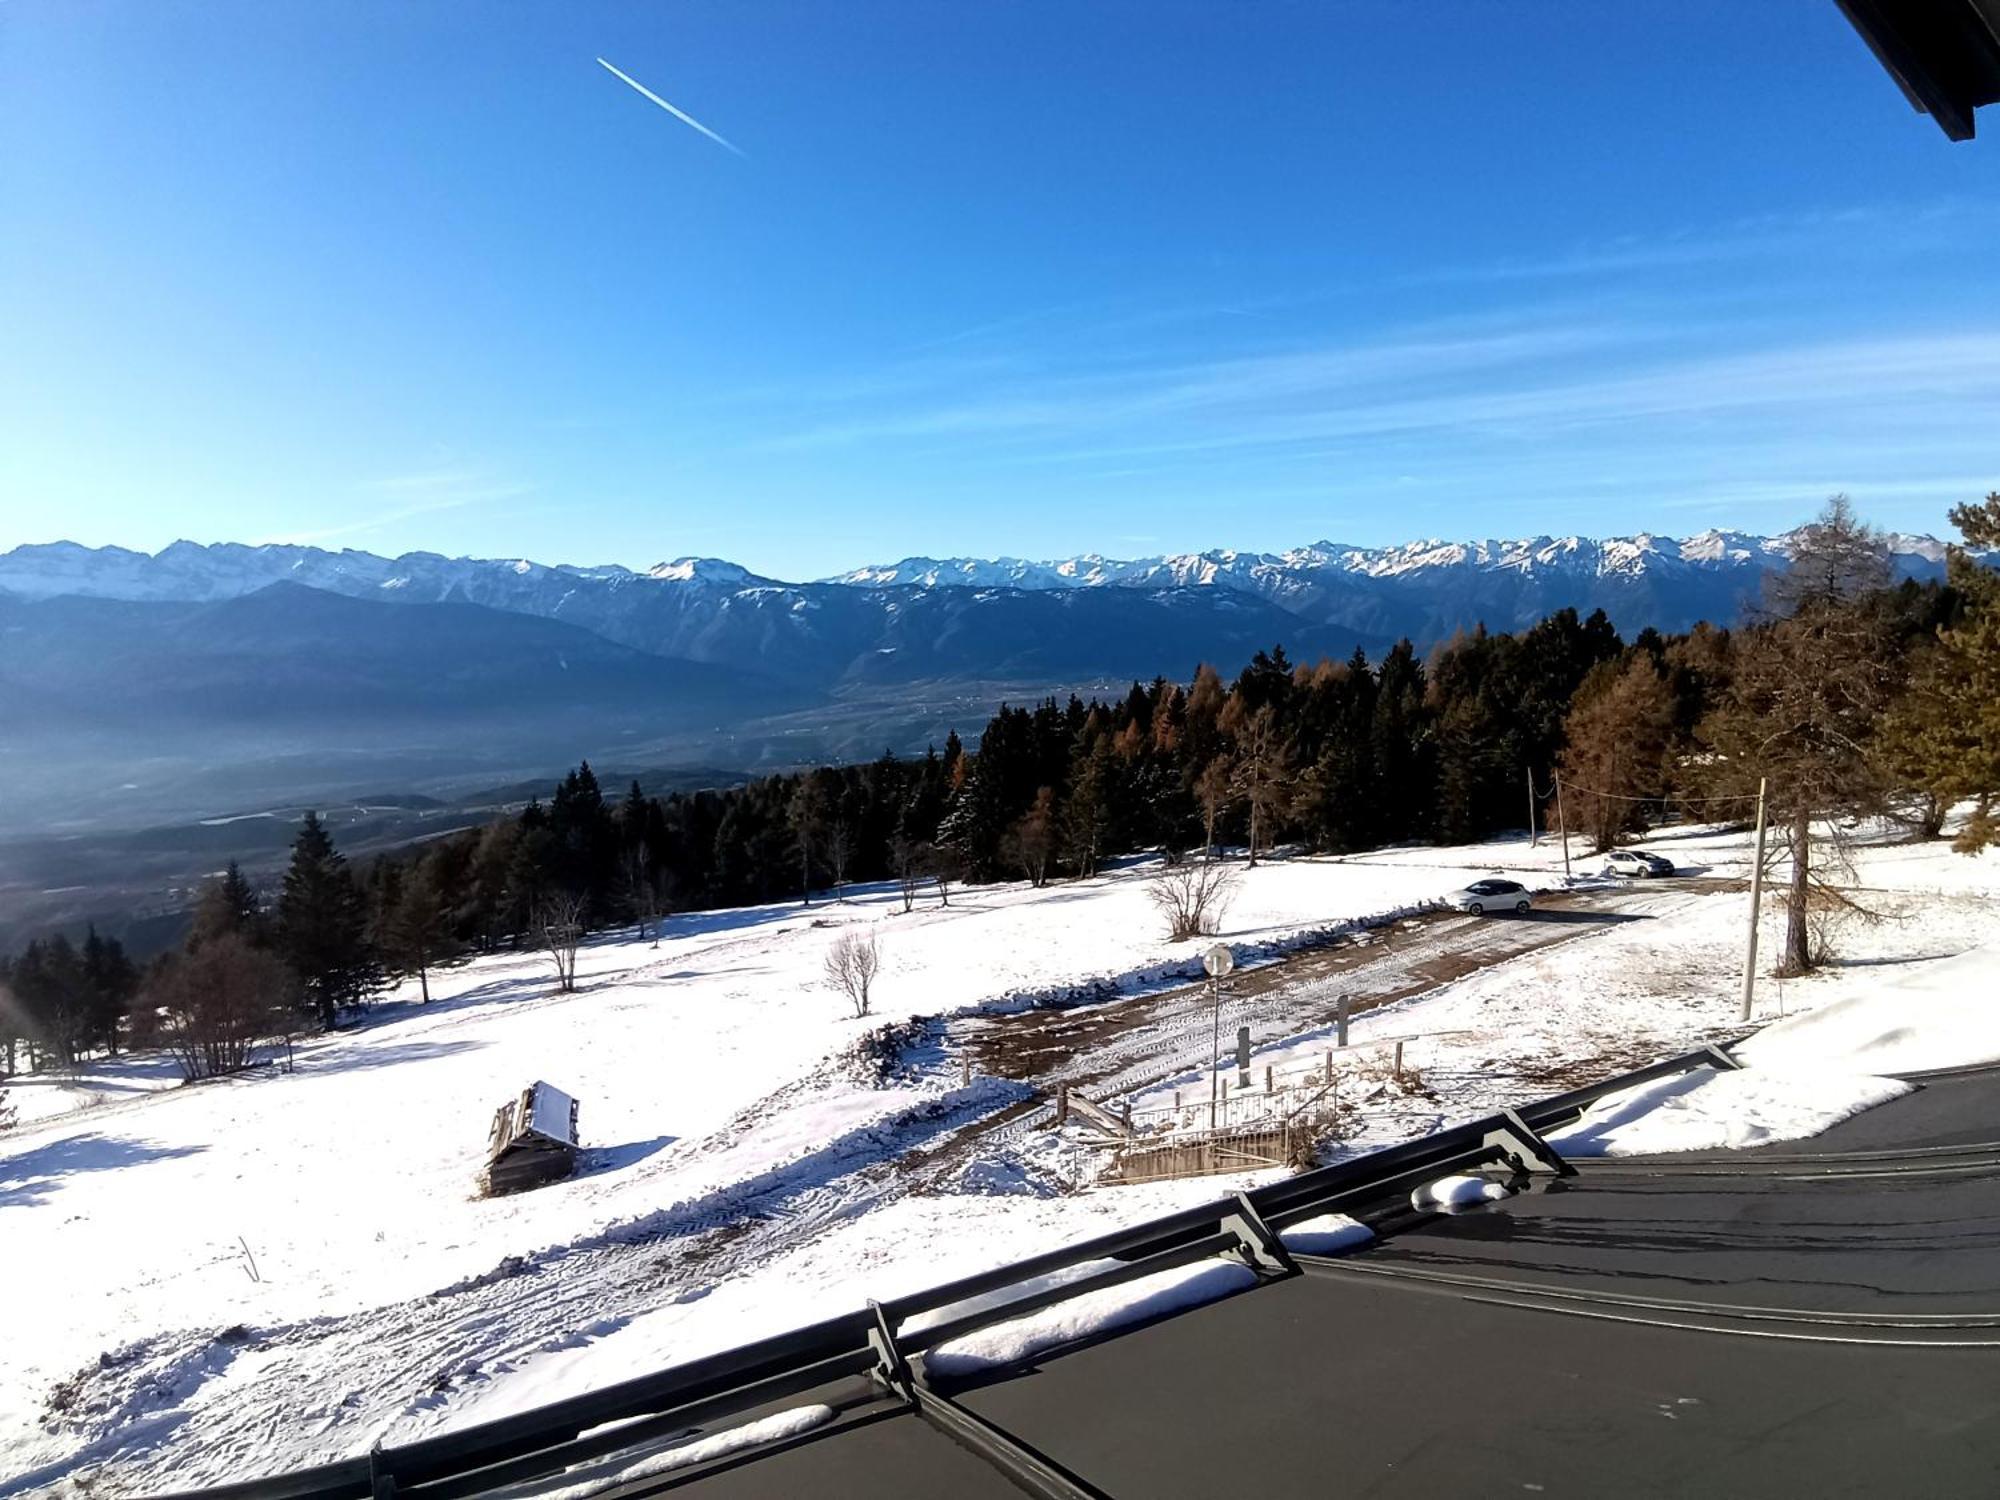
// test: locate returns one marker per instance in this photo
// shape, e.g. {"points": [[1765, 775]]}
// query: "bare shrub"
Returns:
{"points": [[851, 966], [911, 862], [558, 928], [1382, 1071], [218, 1002], [1191, 895]]}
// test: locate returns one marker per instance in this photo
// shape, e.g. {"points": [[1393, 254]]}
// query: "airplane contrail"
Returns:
{"points": [[679, 114]]}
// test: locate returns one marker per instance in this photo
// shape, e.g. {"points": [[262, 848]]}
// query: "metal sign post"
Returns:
{"points": [[1217, 962]]}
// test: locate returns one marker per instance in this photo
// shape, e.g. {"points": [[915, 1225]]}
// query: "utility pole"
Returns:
{"points": [[1756, 900], [1533, 837], [1562, 818]]}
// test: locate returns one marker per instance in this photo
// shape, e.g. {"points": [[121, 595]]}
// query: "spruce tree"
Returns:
{"points": [[229, 905], [419, 927], [323, 925], [1943, 738], [806, 815], [110, 981]]}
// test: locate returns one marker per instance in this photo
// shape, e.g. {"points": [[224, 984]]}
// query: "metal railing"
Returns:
{"points": [[872, 1341]]}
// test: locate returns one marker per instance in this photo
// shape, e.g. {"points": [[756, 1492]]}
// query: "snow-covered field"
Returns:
{"points": [[266, 1259]]}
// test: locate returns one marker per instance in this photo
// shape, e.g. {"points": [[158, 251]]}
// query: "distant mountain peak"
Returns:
{"points": [[706, 570]]}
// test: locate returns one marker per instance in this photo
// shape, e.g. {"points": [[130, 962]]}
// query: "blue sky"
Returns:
{"points": [[1026, 278]]}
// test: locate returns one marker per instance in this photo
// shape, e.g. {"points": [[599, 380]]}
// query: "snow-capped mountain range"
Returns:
{"points": [[192, 570], [934, 618], [1282, 572]]}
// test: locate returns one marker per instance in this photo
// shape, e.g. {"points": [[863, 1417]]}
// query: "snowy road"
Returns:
{"points": [[1124, 1046]]}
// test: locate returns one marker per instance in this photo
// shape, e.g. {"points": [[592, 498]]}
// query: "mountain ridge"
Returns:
{"points": [[1323, 596], [183, 569]]}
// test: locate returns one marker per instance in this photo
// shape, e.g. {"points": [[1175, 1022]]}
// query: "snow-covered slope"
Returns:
{"points": [[284, 1266]]}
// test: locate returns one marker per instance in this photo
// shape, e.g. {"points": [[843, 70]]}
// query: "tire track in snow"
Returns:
{"points": [[236, 1403]]}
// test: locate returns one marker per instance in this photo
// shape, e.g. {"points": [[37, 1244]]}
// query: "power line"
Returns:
{"points": [[1661, 797]]}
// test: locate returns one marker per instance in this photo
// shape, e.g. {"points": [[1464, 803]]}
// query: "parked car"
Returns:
{"points": [[1637, 863], [1483, 896]]}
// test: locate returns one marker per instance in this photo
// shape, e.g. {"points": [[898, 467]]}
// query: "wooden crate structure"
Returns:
{"points": [[533, 1140], [1239, 1148]]}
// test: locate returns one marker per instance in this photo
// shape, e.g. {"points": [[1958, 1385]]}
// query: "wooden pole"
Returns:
{"points": [[1533, 837], [1756, 900], [1562, 818], [1399, 1062]]}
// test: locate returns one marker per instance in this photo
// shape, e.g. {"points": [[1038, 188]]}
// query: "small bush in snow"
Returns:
{"points": [[850, 967], [1191, 895], [218, 1002], [558, 928]]}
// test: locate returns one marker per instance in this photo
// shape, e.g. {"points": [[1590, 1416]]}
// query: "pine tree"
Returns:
{"points": [[323, 927], [806, 815], [1033, 838], [583, 841], [1808, 690], [1616, 762], [50, 985], [1086, 814], [494, 912], [1262, 782], [110, 981], [228, 904], [420, 929], [1942, 739]]}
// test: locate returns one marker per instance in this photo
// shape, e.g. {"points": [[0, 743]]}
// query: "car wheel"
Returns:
{"points": [[1476, 909], [1520, 908]]}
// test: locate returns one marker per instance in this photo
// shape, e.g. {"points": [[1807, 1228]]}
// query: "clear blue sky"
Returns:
{"points": [[1032, 277]]}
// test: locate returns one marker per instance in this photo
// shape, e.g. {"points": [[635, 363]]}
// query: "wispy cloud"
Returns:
{"points": [[1865, 230], [422, 493], [1099, 399], [679, 114], [1527, 382]]}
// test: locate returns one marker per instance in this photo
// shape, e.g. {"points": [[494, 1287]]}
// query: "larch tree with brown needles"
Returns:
{"points": [[1810, 684]]}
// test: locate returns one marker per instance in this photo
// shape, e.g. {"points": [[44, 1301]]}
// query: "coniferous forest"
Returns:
{"points": [[1844, 697]]}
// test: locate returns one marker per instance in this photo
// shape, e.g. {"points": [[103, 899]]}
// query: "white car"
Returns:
{"points": [[1637, 863], [1494, 894]]}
